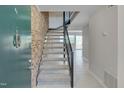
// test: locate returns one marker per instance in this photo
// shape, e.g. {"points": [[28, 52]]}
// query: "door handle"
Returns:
{"points": [[29, 62], [30, 68], [16, 40]]}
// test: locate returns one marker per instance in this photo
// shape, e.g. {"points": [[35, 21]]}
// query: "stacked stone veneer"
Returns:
{"points": [[39, 27]]}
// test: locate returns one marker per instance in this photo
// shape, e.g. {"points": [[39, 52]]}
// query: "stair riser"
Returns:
{"points": [[54, 43], [48, 60], [51, 39], [60, 37], [54, 34], [52, 50]]}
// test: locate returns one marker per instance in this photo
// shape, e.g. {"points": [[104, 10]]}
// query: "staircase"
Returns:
{"points": [[54, 69]]}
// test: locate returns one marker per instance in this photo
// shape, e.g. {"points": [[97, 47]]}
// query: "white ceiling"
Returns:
{"points": [[82, 18]]}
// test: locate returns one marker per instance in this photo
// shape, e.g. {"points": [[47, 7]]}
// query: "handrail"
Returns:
{"points": [[68, 50], [69, 16]]}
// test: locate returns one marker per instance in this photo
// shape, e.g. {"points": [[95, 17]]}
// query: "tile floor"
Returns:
{"points": [[82, 78]]}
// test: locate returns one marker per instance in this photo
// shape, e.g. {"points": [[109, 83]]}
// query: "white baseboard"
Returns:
{"points": [[97, 79]]}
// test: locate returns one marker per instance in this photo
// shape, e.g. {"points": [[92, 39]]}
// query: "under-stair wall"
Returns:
{"points": [[39, 26]]}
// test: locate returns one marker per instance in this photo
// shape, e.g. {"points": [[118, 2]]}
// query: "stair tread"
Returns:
{"points": [[58, 82], [53, 50], [54, 59], [56, 47], [53, 67], [45, 53], [53, 42], [53, 71], [54, 35], [53, 75], [44, 57], [53, 55], [53, 45], [55, 31], [53, 78], [54, 85]]}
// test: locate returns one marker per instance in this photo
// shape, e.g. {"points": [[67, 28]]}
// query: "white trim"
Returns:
{"points": [[98, 79]]}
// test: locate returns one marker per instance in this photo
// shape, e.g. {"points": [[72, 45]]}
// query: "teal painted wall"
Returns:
{"points": [[14, 62]]}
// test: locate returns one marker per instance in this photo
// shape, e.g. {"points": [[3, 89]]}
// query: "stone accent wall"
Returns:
{"points": [[39, 27]]}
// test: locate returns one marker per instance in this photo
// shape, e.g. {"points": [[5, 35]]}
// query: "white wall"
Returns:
{"points": [[103, 46], [55, 19], [121, 46]]}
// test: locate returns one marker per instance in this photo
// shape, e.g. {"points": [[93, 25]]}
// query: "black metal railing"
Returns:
{"points": [[68, 48], [69, 16]]}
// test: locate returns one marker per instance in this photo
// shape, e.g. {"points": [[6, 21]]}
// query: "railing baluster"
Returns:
{"points": [[68, 49]]}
